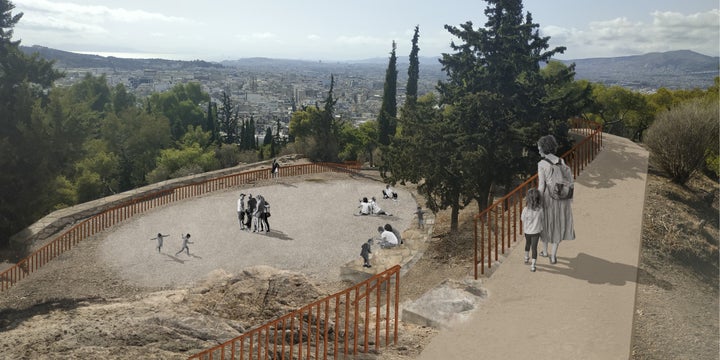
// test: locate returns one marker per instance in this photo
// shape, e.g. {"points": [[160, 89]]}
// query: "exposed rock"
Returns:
{"points": [[449, 302]]}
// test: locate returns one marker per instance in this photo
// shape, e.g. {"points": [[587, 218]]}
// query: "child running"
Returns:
{"points": [[159, 239], [532, 218], [186, 241]]}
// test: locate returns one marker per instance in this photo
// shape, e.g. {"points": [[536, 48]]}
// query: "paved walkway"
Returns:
{"points": [[582, 307]]}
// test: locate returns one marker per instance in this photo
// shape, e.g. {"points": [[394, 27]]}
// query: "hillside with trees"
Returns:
{"points": [[470, 140]]}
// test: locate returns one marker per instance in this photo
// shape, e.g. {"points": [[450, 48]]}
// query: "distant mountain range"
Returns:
{"points": [[683, 69], [66, 59]]}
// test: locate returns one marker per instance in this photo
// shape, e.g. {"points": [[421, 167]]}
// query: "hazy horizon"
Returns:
{"points": [[323, 30]]}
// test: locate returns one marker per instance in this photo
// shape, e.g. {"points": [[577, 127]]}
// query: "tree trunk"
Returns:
{"points": [[454, 217]]}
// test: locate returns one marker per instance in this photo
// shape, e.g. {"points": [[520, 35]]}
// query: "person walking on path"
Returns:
{"points": [[159, 239], [241, 211], [275, 171], [185, 242], [421, 222], [558, 224], [532, 217], [365, 253]]}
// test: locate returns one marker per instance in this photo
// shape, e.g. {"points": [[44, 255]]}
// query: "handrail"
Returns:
{"points": [[332, 327], [500, 222], [117, 214]]}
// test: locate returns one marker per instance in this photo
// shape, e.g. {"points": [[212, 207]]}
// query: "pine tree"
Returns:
{"points": [[492, 109], [495, 95]]}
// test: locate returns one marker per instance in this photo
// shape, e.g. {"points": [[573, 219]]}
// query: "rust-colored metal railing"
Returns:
{"points": [[499, 224], [113, 216], [356, 320]]}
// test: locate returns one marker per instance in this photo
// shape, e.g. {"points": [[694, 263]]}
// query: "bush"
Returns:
{"points": [[679, 138], [228, 155]]}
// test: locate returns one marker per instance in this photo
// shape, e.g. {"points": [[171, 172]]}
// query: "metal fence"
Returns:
{"points": [[356, 320], [499, 224], [113, 216]]}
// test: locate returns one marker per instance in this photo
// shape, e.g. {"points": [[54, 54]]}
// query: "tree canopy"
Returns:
{"points": [[495, 105]]}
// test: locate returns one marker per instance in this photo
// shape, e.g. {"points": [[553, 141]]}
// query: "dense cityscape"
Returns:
{"points": [[267, 89]]}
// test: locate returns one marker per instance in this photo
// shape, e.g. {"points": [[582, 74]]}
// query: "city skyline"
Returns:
{"points": [[336, 31]]}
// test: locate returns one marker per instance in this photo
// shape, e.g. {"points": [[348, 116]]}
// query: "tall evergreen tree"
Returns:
{"points": [[27, 171], [228, 120], [211, 124], [268, 139], [318, 129], [493, 108], [387, 119], [411, 89], [495, 94]]}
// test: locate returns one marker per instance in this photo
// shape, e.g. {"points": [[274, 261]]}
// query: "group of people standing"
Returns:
{"points": [[254, 214], [547, 215]]}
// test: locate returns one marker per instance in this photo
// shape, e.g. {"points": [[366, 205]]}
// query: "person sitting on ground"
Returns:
{"points": [[389, 193], [387, 238], [376, 208], [389, 227], [365, 207]]}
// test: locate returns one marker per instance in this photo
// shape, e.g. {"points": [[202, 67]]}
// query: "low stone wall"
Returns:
{"points": [[59, 220]]}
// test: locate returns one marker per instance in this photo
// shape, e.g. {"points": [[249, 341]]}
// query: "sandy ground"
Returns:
{"points": [[314, 230]]}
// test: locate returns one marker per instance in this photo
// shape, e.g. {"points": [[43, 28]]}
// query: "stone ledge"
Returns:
{"points": [[58, 220], [415, 243]]}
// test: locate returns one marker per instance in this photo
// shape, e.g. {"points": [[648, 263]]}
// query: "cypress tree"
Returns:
{"points": [[387, 119], [411, 90]]}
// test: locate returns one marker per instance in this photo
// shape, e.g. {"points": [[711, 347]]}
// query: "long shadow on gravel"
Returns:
{"points": [[12, 318]]}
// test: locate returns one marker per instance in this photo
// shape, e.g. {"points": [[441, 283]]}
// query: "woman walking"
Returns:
{"points": [[558, 225]]}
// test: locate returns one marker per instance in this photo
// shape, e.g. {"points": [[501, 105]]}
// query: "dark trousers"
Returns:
{"points": [[264, 220], [248, 218], [531, 241]]}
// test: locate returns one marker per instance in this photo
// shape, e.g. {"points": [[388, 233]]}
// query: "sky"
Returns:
{"points": [[340, 30]]}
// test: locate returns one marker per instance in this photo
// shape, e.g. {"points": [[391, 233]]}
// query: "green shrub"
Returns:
{"points": [[679, 138]]}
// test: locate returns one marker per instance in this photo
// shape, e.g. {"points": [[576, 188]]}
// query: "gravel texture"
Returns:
{"points": [[314, 230]]}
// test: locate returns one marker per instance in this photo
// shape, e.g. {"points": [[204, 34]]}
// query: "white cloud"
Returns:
{"points": [[313, 37], [621, 36], [92, 13], [52, 23]]}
